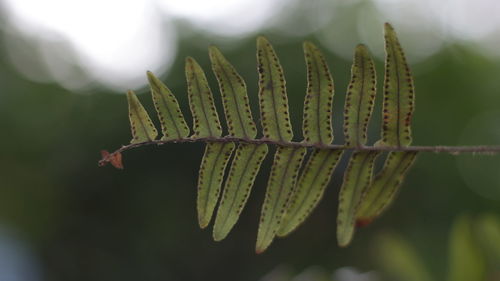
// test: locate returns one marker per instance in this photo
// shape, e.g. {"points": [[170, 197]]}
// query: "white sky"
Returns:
{"points": [[113, 42]]}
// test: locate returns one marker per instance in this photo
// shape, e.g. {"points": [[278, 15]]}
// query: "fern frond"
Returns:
{"points": [[289, 198]]}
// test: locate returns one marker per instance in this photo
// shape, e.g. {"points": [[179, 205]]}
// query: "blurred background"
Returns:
{"points": [[66, 64]]}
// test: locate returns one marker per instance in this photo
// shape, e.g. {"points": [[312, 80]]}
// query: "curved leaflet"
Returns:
{"points": [[272, 94], [210, 179], [317, 124], [310, 188], [385, 185], [399, 96], [173, 125], [140, 124], [357, 177], [287, 162], [246, 164], [234, 96], [205, 119], [360, 98]]}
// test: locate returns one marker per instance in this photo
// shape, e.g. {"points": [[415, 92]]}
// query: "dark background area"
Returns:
{"points": [[76, 221]]}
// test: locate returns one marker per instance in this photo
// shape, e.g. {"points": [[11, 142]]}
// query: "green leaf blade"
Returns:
{"points": [[210, 178], [287, 162], [466, 261], [399, 260], [234, 96], [141, 125], [360, 98], [205, 118], [381, 193], [317, 124], [357, 177], [172, 121], [310, 188], [244, 168], [399, 96], [272, 94]]}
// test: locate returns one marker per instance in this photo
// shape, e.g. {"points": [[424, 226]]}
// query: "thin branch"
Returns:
{"points": [[454, 150]]}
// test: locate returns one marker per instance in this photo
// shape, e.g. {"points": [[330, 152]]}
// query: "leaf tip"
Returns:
{"points": [[343, 243], [202, 222], [307, 45], [150, 75], [262, 41], [212, 49], [218, 236], [361, 47], [153, 80], [260, 250], [189, 60], [388, 26], [362, 222]]}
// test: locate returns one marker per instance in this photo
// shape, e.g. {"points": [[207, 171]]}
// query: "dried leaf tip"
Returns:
{"points": [[114, 158]]}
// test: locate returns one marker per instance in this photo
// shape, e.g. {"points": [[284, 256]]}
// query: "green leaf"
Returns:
{"points": [[210, 178], [317, 125], [172, 121], [360, 98], [234, 96], [399, 259], [272, 94], [488, 232], [246, 164], [466, 262], [357, 177], [141, 125], [287, 162], [205, 119], [380, 194], [399, 97], [310, 188]]}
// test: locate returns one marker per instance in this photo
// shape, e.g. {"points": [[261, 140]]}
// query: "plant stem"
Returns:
{"points": [[454, 150]]}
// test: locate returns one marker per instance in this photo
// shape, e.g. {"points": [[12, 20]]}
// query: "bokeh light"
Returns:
{"points": [[112, 43]]}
